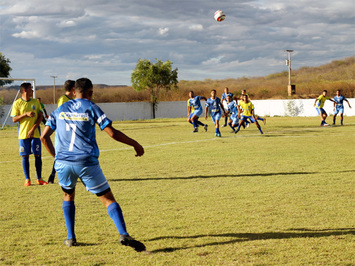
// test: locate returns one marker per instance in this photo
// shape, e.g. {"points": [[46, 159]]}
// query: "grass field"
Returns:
{"points": [[285, 197]]}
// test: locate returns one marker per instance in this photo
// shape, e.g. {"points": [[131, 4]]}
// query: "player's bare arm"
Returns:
{"points": [[20, 117], [47, 141], [31, 132], [121, 137]]}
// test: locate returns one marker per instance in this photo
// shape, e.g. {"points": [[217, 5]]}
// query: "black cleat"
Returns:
{"points": [[70, 242], [131, 242], [51, 179]]}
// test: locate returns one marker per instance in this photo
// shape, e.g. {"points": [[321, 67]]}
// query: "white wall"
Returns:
{"points": [[143, 110]]}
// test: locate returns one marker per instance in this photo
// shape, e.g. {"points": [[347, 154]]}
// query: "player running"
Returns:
{"points": [[215, 105], [321, 100], [339, 106], [195, 102], [225, 94], [246, 108], [232, 112]]}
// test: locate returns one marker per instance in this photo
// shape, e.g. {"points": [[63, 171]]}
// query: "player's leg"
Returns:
{"points": [[257, 124], [231, 125], [69, 216], [51, 176], [37, 151], [341, 117], [67, 178], [216, 120], [25, 151], [240, 123]]}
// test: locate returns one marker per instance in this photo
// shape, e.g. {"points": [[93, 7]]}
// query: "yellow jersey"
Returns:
{"points": [[20, 107], [63, 99], [246, 107], [321, 100]]}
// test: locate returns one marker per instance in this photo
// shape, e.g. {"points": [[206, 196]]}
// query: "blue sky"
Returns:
{"points": [[103, 40]]}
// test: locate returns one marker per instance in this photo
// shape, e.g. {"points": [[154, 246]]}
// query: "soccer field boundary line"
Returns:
{"points": [[191, 141]]}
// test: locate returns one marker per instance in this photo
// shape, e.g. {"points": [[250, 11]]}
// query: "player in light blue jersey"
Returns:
{"points": [[339, 106], [195, 102], [225, 94], [216, 107], [232, 111], [76, 156]]}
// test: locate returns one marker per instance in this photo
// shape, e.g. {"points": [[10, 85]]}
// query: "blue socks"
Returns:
{"points": [[69, 217], [38, 164], [26, 166], [230, 124], [115, 212]]}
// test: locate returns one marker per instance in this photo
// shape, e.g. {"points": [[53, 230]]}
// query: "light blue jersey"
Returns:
{"points": [[233, 110], [225, 95], [339, 100], [196, 102], [75, 139], [214, 105]]}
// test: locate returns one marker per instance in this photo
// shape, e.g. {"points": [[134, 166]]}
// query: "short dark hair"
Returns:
{"points": [[69, 85], [25, 86], [325, 91], [83, 85], [213, 90]]}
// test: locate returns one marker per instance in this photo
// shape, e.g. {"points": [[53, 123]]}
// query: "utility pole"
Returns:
{"points": [[54, 77], [291, 89]]}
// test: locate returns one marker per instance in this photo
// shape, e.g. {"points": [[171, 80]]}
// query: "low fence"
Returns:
{"points": [[143, 110]]}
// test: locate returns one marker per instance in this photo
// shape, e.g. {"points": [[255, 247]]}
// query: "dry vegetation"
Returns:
{"points": [[309, 81]]}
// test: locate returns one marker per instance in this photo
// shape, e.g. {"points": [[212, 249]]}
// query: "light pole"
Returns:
{"points": [[291, 89], [54, 77]]}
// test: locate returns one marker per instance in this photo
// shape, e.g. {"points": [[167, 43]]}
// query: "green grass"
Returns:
{"points": [[285, 197]]}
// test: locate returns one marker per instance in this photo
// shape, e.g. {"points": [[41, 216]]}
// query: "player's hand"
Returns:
{"points": [[30, 133], [139, 150], [30, 114]]}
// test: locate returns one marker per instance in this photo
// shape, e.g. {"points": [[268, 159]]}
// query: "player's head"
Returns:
{"points": [[84, 87], [26, 87], [245, 98], [191, 94], [229, 98], [324, 92], [226, 90], [338, 92], [213, 93], [244, 92], [69, 85]]}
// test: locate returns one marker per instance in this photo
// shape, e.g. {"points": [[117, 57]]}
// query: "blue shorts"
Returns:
{"points": [[235, 119], [320, 111], [245, 119], [29, 146], [92, 177], [339, 109], [198, 112], [215, 116]]}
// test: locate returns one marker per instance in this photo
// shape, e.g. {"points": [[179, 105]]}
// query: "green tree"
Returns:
{"points": [[4, 69], [154, 77]]}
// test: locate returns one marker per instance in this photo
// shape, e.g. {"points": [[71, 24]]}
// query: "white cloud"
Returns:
{"points": [[104, 39]]}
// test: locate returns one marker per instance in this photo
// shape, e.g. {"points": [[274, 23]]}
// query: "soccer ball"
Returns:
{"points": [[219, 15]]}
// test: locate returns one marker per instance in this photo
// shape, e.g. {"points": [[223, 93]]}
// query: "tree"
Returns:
{"points": [[154, 77], [4, 69]]}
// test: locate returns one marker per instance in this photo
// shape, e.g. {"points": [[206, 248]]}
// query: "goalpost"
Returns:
{"points": [[18, 79]]}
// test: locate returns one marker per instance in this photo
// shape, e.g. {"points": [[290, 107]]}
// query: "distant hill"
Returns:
{"points": [[309, 81]]}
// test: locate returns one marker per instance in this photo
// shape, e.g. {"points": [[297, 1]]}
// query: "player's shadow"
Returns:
{"points": [[244, 237], [219, 176]]}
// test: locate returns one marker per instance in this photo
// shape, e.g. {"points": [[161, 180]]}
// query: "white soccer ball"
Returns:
{"points": [[219, 15]]}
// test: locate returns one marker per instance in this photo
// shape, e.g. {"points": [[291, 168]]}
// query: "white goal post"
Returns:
{"points": [[18, 79]]}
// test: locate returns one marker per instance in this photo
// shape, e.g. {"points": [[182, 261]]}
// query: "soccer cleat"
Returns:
{"points": [[235, 132], [325, 124], [51, 179], [70, 242], [247, 125], [223, 125], [131, 242], [219, 135], [205, 127], [27, 183], [41, 182], [195, 130]]}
